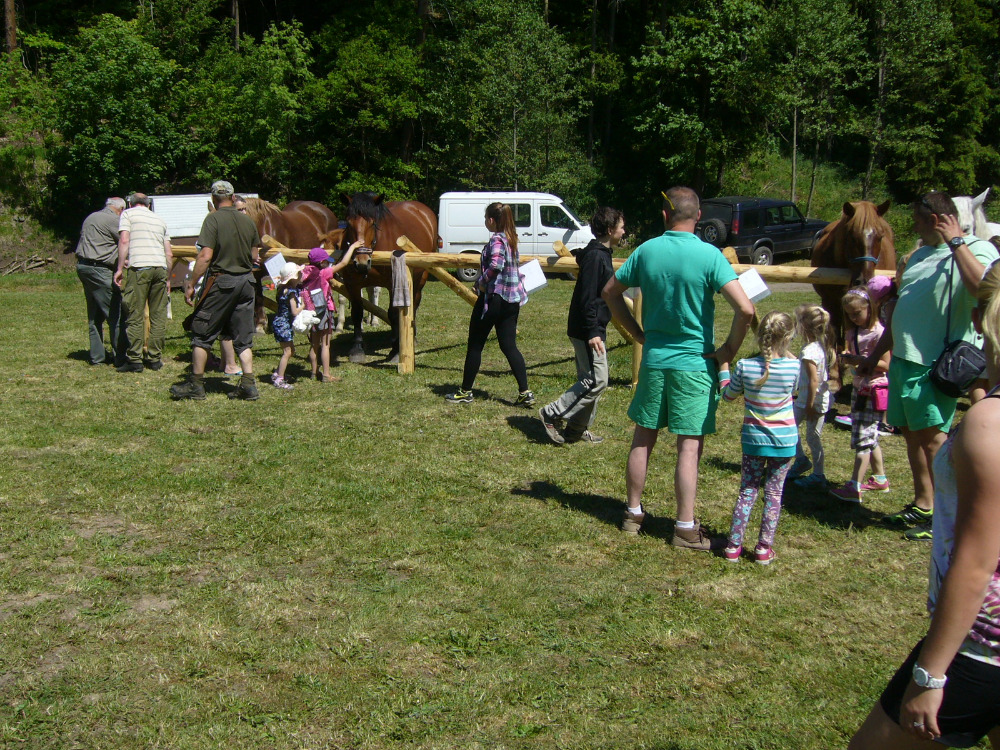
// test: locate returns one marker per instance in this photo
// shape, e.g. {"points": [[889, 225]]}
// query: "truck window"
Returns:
{"points": [[555, 216], [773, 216], [751, 219], [790, 214]]}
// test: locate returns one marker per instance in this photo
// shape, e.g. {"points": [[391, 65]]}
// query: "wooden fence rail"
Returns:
{"points": [[438, 265]]}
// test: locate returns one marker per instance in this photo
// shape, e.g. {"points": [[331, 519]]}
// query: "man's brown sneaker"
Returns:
{"points": [[632, 523], [695, 538]]}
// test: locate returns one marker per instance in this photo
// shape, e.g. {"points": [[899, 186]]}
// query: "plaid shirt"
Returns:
{"points": [[499, 272]]}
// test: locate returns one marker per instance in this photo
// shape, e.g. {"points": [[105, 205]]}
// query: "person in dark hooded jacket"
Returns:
{"points": [[569, 417]]}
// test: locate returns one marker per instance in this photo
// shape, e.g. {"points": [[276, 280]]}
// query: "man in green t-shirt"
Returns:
{"points": [[945, 271], [229, 244], [679, 276]]}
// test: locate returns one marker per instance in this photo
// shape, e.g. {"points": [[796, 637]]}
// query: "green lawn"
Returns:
{"points": [[362, 565]]}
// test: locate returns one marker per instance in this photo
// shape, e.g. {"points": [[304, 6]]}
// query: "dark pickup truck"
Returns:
{"points": [[758, 228]]}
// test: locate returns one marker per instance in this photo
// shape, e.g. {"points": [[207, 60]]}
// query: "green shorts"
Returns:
{"points": [[683, 402], [913, 402]]}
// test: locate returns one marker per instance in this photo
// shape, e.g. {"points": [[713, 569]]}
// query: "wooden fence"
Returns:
{"points": [[439, 265]]}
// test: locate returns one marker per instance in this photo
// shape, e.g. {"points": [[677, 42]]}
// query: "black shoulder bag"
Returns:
{"points": [[961, 363]]}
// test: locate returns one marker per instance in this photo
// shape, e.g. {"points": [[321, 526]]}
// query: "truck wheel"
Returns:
{"points": [[714, 231], [466, 274], [762, 256]]}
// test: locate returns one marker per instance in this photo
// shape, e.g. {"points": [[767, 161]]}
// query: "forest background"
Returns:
{"points": [[598, 101]]}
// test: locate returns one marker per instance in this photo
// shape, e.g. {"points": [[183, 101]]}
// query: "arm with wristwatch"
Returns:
{"points": [[967, 264]]}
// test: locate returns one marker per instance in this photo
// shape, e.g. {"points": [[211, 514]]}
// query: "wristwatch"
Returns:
{"points": [[923, 679], [956, 242]]}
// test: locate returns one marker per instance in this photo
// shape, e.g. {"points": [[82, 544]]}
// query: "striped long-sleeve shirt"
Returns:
{"points": [[768, 422]]}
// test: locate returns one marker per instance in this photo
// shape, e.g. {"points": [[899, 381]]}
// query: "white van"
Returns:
{"points": [[541, 219]]}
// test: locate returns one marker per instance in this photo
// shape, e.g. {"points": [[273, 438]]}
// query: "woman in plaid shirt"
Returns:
{"points": [[501, 294]]}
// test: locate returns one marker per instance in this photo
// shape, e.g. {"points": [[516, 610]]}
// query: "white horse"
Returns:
{"points": [[972, 217]]}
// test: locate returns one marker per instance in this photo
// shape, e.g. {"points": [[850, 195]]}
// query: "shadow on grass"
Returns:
{"points": [[830, 511], [603, 508], [729, 467]]}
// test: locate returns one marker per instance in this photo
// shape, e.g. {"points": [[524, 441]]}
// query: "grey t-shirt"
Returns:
{"points": [[99, 238]]}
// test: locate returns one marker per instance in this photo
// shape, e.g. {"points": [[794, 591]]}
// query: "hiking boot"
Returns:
{"points": [[632, 522], [763, 555], [245, 392], [732, 553], [525, 398], [585, 437], [551, 425], [153, 364], [459, 397], [921, 533], [695, 538], [799, 468], [130, 367], [812, 482], [849, 492], [873, 485], [911, 515], [188, 390]]}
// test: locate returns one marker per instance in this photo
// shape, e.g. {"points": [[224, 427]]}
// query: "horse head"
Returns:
{"points": [[971, 215], [864, 239], [364, 212]]}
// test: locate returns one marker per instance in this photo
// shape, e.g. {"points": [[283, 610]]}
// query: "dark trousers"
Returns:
{"points": [[104, 305], [502, 316]]}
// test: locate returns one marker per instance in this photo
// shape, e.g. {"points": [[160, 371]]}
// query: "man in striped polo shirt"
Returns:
{"points": [[144, 263]]}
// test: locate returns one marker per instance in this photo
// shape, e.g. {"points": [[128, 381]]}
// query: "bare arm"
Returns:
{"points": [[169, 251], [812, 372], [347, 256], [743, 311], [613, 293], [200, 267], [974, 558], [968, 265], [123, 243], [879, 354]]}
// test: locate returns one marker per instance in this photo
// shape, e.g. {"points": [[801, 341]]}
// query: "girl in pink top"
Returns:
{"points": [[318, 296]]}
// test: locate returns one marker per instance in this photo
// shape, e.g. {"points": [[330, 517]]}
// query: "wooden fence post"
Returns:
{"points": [[407, 332]]}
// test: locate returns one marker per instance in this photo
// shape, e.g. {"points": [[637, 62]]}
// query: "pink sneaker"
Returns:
{"points": [[873, 485], [849, 493], [763, 555], [732, 554]]}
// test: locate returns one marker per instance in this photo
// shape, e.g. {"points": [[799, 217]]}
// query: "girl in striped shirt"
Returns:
{"points": [[769, 435]]}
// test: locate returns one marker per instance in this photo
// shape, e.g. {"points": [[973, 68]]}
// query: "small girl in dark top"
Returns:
{"points": [[289, 305]]}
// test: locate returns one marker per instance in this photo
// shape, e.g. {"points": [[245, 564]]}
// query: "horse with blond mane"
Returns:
{"points": [[860, 241]]}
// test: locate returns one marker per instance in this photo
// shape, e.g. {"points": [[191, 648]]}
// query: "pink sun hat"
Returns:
{"points": [[879, 287]]}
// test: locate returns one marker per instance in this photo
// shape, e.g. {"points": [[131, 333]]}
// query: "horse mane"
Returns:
{"points": [[259, 209], [367, 205]]}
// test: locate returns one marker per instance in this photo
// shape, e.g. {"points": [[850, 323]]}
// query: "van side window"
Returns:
{"points": [[773, 216], [790, 215], [554, 216], [522, 214]]}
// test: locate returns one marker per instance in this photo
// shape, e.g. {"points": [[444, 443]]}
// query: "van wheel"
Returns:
{"points": [[714, 231], [762, 256], [466, 274]]}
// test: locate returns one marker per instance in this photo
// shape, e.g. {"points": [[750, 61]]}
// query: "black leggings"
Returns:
{"points": [[502, 316]]}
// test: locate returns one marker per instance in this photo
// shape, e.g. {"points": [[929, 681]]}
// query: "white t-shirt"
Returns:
{"points": [[813, 352]]}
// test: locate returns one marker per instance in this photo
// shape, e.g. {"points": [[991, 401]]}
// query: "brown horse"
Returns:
{"points": [[378, 225], [861, 241], [300, 225]]}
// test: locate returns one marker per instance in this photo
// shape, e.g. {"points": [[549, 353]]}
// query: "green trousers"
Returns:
{"points": [[144, 286]]}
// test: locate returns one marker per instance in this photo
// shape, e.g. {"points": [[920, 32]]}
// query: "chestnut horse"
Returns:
{"points": [[300, 225], [378, 224], [861, 241]]}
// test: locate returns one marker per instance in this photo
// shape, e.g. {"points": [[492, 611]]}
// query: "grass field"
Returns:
{"points": [[362, 565]]}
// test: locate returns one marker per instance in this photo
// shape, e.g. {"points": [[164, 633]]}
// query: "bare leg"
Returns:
{"points": [[860, 466], [228, 357], [878, 465], [199, 358], [324, 353], [879, 732], [921, 447], [643, 440], [689, 449], [246, 360]]}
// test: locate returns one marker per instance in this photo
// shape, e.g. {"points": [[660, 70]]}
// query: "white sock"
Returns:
{"points": [[684, 524], [635, 511]]}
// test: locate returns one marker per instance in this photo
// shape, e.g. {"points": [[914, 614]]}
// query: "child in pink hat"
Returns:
{"points": [[318, 296]]}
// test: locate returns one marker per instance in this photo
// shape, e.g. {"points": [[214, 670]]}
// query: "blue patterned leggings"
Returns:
{"points": [[757, 471]]}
